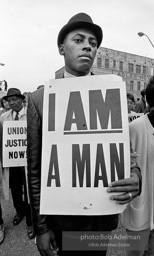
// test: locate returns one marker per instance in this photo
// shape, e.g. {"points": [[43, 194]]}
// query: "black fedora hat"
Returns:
{"points": [[14, 92], [80, 20]]}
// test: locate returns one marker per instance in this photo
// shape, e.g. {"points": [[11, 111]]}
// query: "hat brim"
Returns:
{"points": [[80, 24], [18, 95]]}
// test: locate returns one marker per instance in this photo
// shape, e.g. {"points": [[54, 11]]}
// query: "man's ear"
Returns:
{"points": [[61, 49]]}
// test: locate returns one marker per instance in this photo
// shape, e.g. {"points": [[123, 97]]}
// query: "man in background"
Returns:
{"points": [[139, 215], [140, 106], [16, 175]]}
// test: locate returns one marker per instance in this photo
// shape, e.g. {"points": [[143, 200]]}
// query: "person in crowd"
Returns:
{"points": [[78, 42], [2, 234], [131, 106], [140, 106], [3, 86], [130, 102], [4, 106], [139, 214], [15, 176], [25, 100]]}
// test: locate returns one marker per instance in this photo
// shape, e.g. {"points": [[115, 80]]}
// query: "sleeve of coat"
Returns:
{"points": [[34, 149], [1, 139]]}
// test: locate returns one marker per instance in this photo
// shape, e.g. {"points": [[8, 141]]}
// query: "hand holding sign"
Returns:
{"points": [[129, 187]]}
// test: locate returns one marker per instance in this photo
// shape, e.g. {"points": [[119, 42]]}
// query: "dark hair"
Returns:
{"points": [[2, 104], [143, 92], [150, 92], [130, 96]]}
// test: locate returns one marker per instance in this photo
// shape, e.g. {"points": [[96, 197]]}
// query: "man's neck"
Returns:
{"points": [[68, 75]]}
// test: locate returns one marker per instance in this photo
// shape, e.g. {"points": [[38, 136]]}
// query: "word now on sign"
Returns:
{"points": [[14, 143]]}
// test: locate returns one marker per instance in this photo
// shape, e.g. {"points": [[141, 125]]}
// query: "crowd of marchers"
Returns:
{"points": [[78, 41]]}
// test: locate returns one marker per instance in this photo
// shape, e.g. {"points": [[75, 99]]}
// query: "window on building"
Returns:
{"points": [[120, 65], [145, 85], [138, 69], [130, 67], [114, 63], [132, 85], [106, 63], [138, 85], [144, 70], [99, 62]]}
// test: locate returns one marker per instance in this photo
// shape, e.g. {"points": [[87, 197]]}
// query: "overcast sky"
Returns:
{"points": [[29, 29]]}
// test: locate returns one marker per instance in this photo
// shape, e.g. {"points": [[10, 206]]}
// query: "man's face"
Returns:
{"points": [[79, 49], [15, 103]]}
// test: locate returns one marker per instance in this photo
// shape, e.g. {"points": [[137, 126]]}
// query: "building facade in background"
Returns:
{"points": [[135, 70]]}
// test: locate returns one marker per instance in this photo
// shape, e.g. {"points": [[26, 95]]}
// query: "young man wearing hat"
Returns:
{"points": [[78, 42], [16, 175]]}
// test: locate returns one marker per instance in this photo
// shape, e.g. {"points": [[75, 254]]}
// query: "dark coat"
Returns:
{"points": [[140, 106]]}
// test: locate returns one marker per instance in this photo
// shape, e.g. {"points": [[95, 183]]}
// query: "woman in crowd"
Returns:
{"points": [[4, 106]]}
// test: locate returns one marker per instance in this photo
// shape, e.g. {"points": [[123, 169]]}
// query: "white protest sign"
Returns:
{"points": [[85, 145], [14, 143], [133, 116]]}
